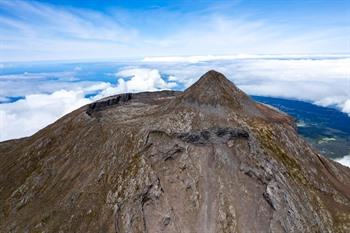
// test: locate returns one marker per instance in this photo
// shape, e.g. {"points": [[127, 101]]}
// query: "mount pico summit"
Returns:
{"points": [[206, 160]]}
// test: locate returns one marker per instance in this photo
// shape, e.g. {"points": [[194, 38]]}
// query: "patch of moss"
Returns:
{"points": [[269, 141], [129, 172]]}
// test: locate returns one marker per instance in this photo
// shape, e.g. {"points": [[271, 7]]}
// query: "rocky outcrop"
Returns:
{"points": [[109, 102], [208, 159]]}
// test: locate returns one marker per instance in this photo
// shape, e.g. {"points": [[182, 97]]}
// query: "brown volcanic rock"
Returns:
{"points": [[206, 160]]}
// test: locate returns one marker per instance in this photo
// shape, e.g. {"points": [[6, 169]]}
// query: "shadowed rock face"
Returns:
{"points": [[208, 159]]}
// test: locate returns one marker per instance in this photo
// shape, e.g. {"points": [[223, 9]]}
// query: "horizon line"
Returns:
{"points": [[190, 58]]}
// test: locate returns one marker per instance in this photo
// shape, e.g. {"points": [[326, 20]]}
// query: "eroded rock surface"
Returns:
{"points": [[208, 159]]}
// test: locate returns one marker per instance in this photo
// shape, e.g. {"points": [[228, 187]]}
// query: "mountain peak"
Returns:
{"points": [[211, 80], [199, 161], [212, 76], [213, 88]]}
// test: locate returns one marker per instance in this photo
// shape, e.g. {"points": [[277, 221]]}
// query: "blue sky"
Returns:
{"points": [[87, 29]]}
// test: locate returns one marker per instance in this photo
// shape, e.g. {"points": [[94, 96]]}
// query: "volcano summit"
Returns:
{"points": [[205, 160]]}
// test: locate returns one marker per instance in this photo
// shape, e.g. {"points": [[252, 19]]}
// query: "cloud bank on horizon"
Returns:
{"points": [[59, 30], [44, 101], [323, 81]]}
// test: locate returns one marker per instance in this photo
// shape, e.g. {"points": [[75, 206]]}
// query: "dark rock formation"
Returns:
{"points": [[215, 135], [109, 102], [206, 160]]}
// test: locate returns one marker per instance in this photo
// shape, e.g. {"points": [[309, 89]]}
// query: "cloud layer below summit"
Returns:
{"points": [[46, 96], [44, 101]]}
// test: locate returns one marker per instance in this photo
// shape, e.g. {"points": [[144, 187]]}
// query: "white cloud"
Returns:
{"points": [[323, 81], [195, 59], [42, 82], [108, 91], [137, 80], [345, 160], [142, 79], [26, 116], [206, 58]]}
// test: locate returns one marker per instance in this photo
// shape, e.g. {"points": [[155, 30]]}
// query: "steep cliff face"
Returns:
{"points": [[208, 159]]}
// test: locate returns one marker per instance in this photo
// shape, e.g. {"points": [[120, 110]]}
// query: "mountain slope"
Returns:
{"points": [[208, 159]]}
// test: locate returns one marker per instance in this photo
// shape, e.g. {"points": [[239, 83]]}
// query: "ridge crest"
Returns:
{"points": [[213, 88]]}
